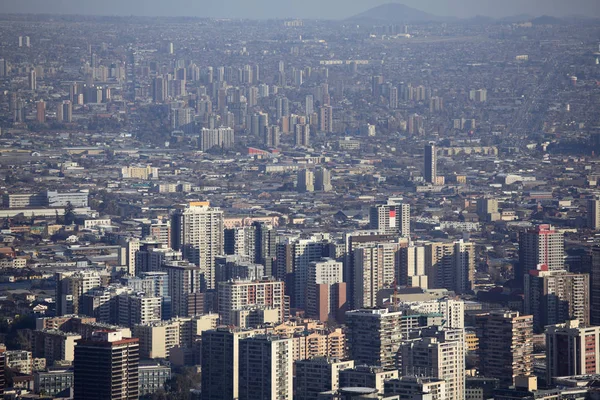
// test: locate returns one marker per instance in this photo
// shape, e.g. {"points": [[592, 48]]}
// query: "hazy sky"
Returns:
{"points": [[335, 9]]}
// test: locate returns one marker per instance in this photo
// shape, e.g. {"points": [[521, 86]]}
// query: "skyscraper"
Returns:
{"points": [[374, 336], [595, 287], [306, 181], [266, 368], [326, 119], [326, 290], [553, 297], [353, 241], [40, 111], [440, 353], [197, 231], [309, 105], [374, 270], [323, 179], [221, 362], [430, 159], [2, 369], [540, 245], [376, 82], [32, 79], [505, 345], [572, 349], [64, 112], [302, 135], [106, 367], [160, 89], [293, 258], [411, 267], [393, 97], [184, 280], [265, 246], [450, 265], [593, 214], [391, 218]]}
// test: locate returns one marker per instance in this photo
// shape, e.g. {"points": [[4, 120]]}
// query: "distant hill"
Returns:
{"points": [[517, 18], [394, 13], [547, 20]]}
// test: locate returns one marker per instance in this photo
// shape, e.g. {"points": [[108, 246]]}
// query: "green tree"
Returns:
{"points": [[69, 214]]}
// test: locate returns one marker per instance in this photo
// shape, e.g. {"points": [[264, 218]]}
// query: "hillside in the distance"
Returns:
{"points": [[394, 13]]}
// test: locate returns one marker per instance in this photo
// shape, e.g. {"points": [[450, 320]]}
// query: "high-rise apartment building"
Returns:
{"points": [[487, 209], [478, 95], [309, 105], [326, 119], [130, 246], [160, 89], [185, 280], [40, 111], [323, 180], [593, 213], [375, 269], [70, 286], [540, 245], [64, 112], [437, 352], [265, 368], [243, 302], [152, 255], [595, 287], [553, 297], [32, 80], [411, 267], [2, 369], [221, 363], [450, 265], [430, 160], [293, 257], [306, 181], [374, 336], [353, 241], [302, 135], [326, 290], [391, 218], [156, 339], [106, 367], [197, 231], [572, 349], [505, 345], [393, 97], [222, 137], [453, 310], [317, 375], [265, 246]]}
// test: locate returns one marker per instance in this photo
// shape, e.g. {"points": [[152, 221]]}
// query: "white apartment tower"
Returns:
{"points": [[374, 269], [198, 232], [391, 218]]}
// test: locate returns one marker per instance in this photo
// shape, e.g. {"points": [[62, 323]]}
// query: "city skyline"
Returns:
{"points": [[297, 208]]}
